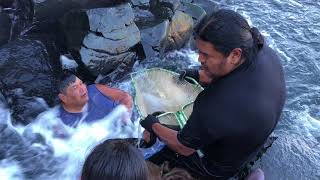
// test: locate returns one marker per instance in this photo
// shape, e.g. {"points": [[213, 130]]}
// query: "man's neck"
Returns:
{"points": [[76, 109]]}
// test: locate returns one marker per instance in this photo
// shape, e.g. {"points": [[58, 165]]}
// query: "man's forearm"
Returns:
{"points": [[169, 137], [126, 100], [117, 95]]}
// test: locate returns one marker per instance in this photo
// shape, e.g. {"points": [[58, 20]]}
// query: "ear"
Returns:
{"points": [[234, 57], [62, 97]]}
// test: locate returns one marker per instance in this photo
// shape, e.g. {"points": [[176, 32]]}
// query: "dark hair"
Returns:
{"points": [[65, 80], [115, 159], [227, 30]]}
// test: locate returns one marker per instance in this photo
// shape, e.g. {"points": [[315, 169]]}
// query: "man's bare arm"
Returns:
{"points": [[117, 95], [169, 137]]}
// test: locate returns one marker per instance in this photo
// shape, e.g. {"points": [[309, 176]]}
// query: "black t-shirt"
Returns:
{"points": [[234, 116]]}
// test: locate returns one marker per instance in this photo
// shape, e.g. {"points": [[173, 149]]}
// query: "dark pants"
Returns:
{"points": [[199, 167], [193, 164]]}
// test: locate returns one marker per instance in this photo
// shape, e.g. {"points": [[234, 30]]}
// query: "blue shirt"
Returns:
{"points": [[98, 107]]}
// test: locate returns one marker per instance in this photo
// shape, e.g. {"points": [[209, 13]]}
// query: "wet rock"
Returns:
{"points": [[172, 4], [36, 161], [180, 31], [21, 17], [49, 34], [6, 3], [102, 63], [5, 26], [68, 63], [144, 18], [90, 4], [109, 42], [111, 30], [196, 12], [75, 26], [207, 5], [167, 35], [98, 42], [26, 74], [26, 109], [33, 137], [140, 3], [9, 139], [121, 71], [113, 41], [164, 9], [153, 39], [48, 10], [3, 100], [20, 13], [66, 31]]}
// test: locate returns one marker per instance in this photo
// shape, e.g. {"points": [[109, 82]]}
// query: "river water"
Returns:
{"points": [[292, 28]]}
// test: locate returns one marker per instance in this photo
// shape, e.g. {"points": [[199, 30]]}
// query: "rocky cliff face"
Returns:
{"points": [[103, 38]]}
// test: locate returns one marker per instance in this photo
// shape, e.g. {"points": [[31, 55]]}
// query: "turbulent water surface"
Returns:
{"points": [[290, 27]]}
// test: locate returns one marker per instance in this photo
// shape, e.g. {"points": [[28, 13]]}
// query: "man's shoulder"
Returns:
{"points": [[268, 53], [92, 86], [92, 89]]}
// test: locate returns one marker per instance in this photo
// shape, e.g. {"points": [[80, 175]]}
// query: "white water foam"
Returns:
{"points": [[10, 170], [75, 144]]}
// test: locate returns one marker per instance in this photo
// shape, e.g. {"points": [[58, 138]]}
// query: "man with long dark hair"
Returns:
{"points": [[235, 114]]}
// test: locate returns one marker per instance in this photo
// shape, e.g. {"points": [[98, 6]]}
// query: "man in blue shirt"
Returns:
{"points": [[81, 103]]}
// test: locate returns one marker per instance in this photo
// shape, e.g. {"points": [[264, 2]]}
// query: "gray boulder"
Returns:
{"points": [[154, 38], [75, 26], [120, 73], [144, 18], [103, 63], [6, 3], [172, 4], [5, 26], [112, 33], [195, 11], [164, 9], [180, 30], [20, 13], [3, 101], [9, 139], [140, 3], [167, 36], [48, 10], [26, 75], [35, 160], [207, 5]]}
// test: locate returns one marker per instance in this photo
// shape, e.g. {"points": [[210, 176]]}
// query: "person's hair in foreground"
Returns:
{"points": [[227, 30], [115, 159]]}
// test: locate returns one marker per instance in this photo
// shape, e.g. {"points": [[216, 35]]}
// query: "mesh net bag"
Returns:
{"points": [[160, 90]]}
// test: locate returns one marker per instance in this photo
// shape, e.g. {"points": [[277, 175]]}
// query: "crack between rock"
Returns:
{"points": [[103, 51], [97, 32]]}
